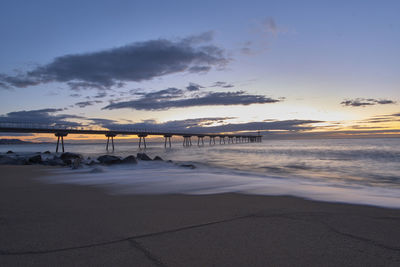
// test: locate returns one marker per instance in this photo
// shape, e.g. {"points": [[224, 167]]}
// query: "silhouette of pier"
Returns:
{"points": [[61, 131]]}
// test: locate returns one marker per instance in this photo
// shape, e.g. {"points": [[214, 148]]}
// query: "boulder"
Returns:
{"points": [[188, 166], [91, 163], [158, 158], [108, 159], [12, 161], [69, 156], [55, 162], [9, 152], [76, 163], [143, 156], [129, 160], [35, 159]]}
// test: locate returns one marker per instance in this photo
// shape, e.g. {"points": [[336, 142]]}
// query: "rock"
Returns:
{"points": [[158, 158], [129, 160], [55, 162], [143, 156], [76, 163], [9, 152], [12, 161], [188, 166], [22, 161], [169, 161], [35, 159], [67, 162], [91, 163], [47, 152], [108, 159], [68, 157]]}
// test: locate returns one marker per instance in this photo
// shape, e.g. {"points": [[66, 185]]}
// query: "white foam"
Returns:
{"points": [[165, 178]]}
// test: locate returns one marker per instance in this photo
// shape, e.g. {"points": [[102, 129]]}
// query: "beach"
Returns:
{"points": [[73, 225]]}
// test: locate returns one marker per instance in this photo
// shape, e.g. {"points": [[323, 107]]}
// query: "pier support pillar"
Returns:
{"points": [[212, 140], [60, 136], [221, 138], [167, 137], [110, 135], [187, 141], [142, 136], [200, 137]]}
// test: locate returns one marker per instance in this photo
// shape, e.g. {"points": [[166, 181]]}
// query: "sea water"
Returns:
{"points": [[362, 171]]}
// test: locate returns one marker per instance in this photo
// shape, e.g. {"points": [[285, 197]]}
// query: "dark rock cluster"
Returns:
{"points": [[73, 160]]}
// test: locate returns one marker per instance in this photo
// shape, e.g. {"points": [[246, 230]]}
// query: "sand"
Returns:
{"points": [[65, 225]]}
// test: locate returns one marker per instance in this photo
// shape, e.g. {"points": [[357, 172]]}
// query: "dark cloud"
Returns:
{"points": [[75, 95], [84, 104], [19, 80], [211, 125], [4, 85], [170, 98], [362, 102], [193, 87], [382, 118], [101, 94], [77, 86], [131, 63], [198, 125], [40, 116], [222, 85], [168, 93]]}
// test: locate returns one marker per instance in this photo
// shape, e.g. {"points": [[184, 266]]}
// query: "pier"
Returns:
{"points": [[60, 132]]}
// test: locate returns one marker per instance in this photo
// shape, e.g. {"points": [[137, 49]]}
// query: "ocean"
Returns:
{"points": [[359, 171]]}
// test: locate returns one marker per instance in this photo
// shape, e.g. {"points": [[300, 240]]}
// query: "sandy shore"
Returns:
{"points": [[65, 225]]}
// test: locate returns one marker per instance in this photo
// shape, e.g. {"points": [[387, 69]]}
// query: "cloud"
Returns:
{"points": [[84, 104], [269, 26], [40, 116], [77, 86], [247, 48], [382, 118], [168, 93], [100, 95], [286, 125], [362, 102], [75, 95], [170, 98], [193, 87], [222, 84], [211, 125], [135, 62]]}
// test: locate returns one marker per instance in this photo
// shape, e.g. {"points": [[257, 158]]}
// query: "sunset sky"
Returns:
{"points": [[286, 68]]}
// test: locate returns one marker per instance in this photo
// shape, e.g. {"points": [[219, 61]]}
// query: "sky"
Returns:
{"points": [[285, 68]]}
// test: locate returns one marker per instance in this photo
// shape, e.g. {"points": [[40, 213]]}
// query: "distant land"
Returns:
{"points": [[13, 142]]}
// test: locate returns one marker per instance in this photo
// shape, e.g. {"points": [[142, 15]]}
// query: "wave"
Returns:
{"points": [[167, 178]]}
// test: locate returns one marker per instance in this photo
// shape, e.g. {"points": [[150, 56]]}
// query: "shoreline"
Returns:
{"points": [[58, 224]]}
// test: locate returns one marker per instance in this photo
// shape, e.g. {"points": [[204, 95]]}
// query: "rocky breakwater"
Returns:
{"points": [[76, 161], [69, 159]]}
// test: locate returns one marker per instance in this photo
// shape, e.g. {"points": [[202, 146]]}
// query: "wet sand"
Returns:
{"points": [[65, 225]]}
